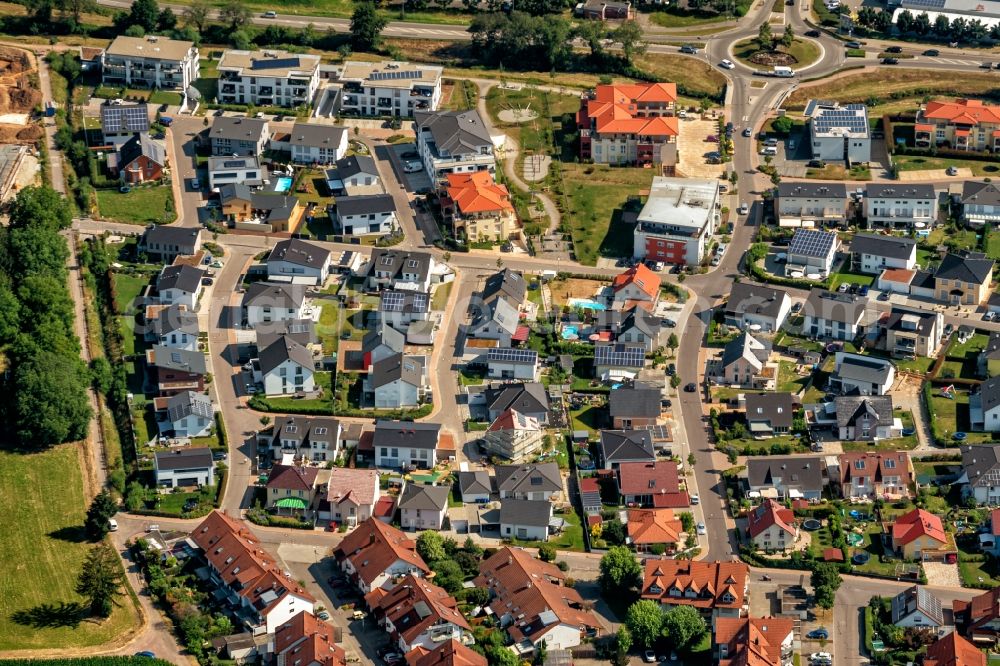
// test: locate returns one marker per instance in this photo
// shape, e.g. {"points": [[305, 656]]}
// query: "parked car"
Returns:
{"points": [[695, 499], [649, 657], [884, 296], [671, 369], [743, 209], [863, 291], [700, 529], [818, 634], [412, 167], [989, 316], [112, 525], [145, 653], [952, 171], [690, 387], [843, 287], [323, 615], [669, 323], [948, 330], [816, 164]]}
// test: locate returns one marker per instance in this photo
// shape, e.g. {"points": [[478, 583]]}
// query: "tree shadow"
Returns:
{"points": [[70, 533], [62, 614]]}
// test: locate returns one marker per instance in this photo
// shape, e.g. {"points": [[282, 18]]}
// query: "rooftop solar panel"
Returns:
{"points": [[812, 243], [394, 75], [276, 63], [398, 301], [507, 355], [621, 355]]}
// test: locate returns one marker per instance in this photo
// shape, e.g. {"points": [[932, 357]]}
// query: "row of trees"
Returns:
{"points": [[956, 30]]}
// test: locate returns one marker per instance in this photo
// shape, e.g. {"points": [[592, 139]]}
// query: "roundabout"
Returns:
{"points": [[802, 53]]}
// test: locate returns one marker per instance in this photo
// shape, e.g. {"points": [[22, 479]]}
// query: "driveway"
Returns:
{"points": [[417, 181], [944, 575]]}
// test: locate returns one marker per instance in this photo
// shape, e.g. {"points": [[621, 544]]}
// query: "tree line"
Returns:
{"points": [[920, 25]]}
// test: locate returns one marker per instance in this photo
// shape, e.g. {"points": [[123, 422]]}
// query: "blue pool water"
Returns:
{"points": [[283, 185], [570, 333], [586, 304]]}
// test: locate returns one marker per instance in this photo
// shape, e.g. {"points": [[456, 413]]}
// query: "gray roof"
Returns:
{"points": [[226, 162], [834, 306], [171, 234], [992, 350], [812, 243], [914, 599], [911, 319], [900, 190], [277, 206], [924, 278], [352, 165], [237, 128], [474, 483], [303, 428], [640, 401], [530, 478], [302, 331], [119, 116], [891, 247], [175, 319], [316, 136], [500, 311], [187, 403], [396, 262], [970, 267], [141, 144], [527, 398], [799, 471], [626, 445], [200, 458], [640, 319], [865, 369], [534, 513], [235, 191], [744, 347], [178, 359], [989, 394], [383, 334], [398, 366], [424, 498], [852, 407], [299, 252], [455, 132], [284, 348], [182, 277], [507, 283], [813, 190], [981, 465], [275, 294], [777, 409], [406, 433], [754, 299], [980, 193], [365, 204]]}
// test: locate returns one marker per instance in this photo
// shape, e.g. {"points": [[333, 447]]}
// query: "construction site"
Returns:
{"points": [[20, 98]]}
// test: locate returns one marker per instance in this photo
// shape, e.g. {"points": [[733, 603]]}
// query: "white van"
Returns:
{"points": [[112, 525], [769, 150], [783, 71]]}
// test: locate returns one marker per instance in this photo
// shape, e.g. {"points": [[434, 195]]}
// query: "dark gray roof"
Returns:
{"points": [[527, 398], [754, 299], [385, 334], [507, 283], [474, 483], [852, 407], [299, 252], [627, 445], [866, 369], [178, 359], [200, 458], [812, 243], [989, 394], [406, 433], [531, 478], [980, 193], [892, 247], [534, 513], [284, 348], [141, 144], [187, 403], [970, 267], [302, 331], [424, 498], [365, 204], [923, 279], [777, 409], [175, 319], [834, 306], [992, 350], [799, 471], [235, 191], [914, 599], [981, 465], [237, 128], [316, 136], [306, 429], [352, 165], [638, 318], [455, 132], [911, 319], [640, 401], [396, 262], [744, 347], [275, 295], [391, 368], [278, 207], [118, 116], [900, 191], [171, 234], [813, 190], [182, 277]]}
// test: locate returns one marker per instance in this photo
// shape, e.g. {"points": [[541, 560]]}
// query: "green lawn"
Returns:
{"points": [[671, 18], [297, 405], [570, 539], [845, 275], [328, 329], [441, 293], [788, 379], [596, 196], [41, 551], [165, 97], [143, 205], [952, 416], [464, 95], [922, 162], [805, 52], [589, 418], [127, 289]]}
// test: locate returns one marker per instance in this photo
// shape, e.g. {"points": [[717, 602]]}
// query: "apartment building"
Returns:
{"points": [[913, 206], [677, 220], [629, 124], [150, 62], [477, 208], [389, 88], [268, 78], [962, 124], [453, 142], [811, 204]]}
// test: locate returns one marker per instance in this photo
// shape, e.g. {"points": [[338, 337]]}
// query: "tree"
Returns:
{"points": [[265, 421], [673, 342], [644, 619], [623, 643], [942, 26], [620, 571], [692, 459], [883, 21], [196, 15], [240, 39], [74, 8], [687, 521], [166, 20], [629, 36], [40, 207], [922, 24], [675, 381], [448, 574], [50, 406], [825, 580], [547, 552], [235, 15], [683, 626], [102, 508], [366, 26], [782, 125], [614, 532], [430, 546], [477, 596], [144, 13], [765, 38], [101, 579], [789, 36], [593, 33], [40, 11], [904, 22], [472, 547]]}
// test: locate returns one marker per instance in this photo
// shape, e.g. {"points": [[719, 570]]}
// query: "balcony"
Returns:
{"points": [[421, 92]]}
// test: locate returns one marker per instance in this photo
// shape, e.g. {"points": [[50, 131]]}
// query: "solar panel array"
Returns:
{"points": [[234, 164], [512, 355], [396, 301], [126, 118], [395, 75], [926, 4], [620, 355], [852, 118], [276, 63], [812, 243]]}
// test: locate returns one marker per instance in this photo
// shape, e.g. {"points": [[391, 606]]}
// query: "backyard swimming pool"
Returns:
{"points": [[570, 333], [283, 184], [586, 304]]}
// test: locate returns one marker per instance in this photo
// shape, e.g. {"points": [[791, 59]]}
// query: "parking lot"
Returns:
{"points": [[693, 148], [400, 154]]}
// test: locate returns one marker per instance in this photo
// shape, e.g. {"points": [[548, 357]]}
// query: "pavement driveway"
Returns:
{"points": [[945, 575]]}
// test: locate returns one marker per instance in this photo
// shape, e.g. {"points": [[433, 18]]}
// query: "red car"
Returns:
{"points": [[712, 138]]}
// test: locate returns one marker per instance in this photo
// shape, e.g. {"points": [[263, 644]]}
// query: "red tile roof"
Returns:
{"points": [[291, 477], [953, 650], [384, 507], [875, 466], [995, 522], [306, 640], [374, 546], [616, 109], [647, 281], [915, 524], [752, 641], [962, 112], [709, 584], [659, 479], [767, 514], [833, 555], [414, 605], [981, 610], [449, 653], [361, 486], [477, 193], [652, 526]]}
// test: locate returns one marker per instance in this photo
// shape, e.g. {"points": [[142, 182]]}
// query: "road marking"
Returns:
{"points": [[746, 118]]}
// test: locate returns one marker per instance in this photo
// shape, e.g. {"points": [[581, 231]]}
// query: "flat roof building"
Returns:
{"points": [[679, 216]]}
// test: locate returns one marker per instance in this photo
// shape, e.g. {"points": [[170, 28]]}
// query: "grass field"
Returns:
{"points": [[697, 77], [805, 52], [921, 162], [41, 551], [839, 172], [142, 205], [462, 96], [669, 18], [596, 195]]}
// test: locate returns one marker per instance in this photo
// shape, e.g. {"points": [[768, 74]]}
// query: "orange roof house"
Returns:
{"points": [[418, 613], [307, 641], [616, 109], [767, 515], [648, 527], [753, 641], [953, 650], [962, 112], [917, 532], [636, 286], [719, 588], [374, 553], [478, 193], [449, 653]]}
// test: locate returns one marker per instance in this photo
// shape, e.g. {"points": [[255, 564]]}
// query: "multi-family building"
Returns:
{"points": [[629, 124], [980, 201], [875, 474], [839, 133], [409, 271], [513, 436], [419, 614], [389, 88], [963, 278], [801, 204], [799, 477], [477, 208], [453, 142], [677, 220], [833, 315], [311, 438], [873, 254], [910, 205], [716, 589], [236, 135], [962, 124], [150, 62], [377, 555], [406, 444], [268, 78]]}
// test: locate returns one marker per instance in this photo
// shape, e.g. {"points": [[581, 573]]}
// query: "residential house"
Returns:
{"points": [[716, 589], [618, 360], [634, 406], [423, 507], [396, 381], [989, 541], [603, 11], [265, 302], [651, 485], [962, 124], [172, 326], [448, 653], [380, 343], [176, 370], [839, 132], [981, 474], [274, 212], [406, 444], [746, 362], [751, 305], [354, 175], [246, 170], [513, 436], [248, 578], [829, 314], [184, 468], [535, 481], [772, 527], [506, 284], [918, 535], [798, 477], [366, 215], [528, 398], [140, 159], [150, 62], [624, 446], [524, 519], [286, 367], [804, 204], [963, 278], [953, 650], [812, 252], [761, 641], [898, 280], [298, 261], [980, 202], [453, 142], [409, 271], [870, 474], [629, 124], [311, 438], [873, 253], [121, 120], [547, 610], [678, 219], [497, 320], [167, 242], [912, 332], [979, 618], [477, 208], [418, 614], [506, 363], [313, 143], [651, 530], [638, 286], [915, 607], [186, 414], [770, 414], [475, 487], [307, 641], [291, 489], [268, 78], [237, 135], [392, 88], [989, 357], [401, 308], [894, 205], [866, 418], [377, 555], [640, 326], [351, 495], [862, 375]]}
